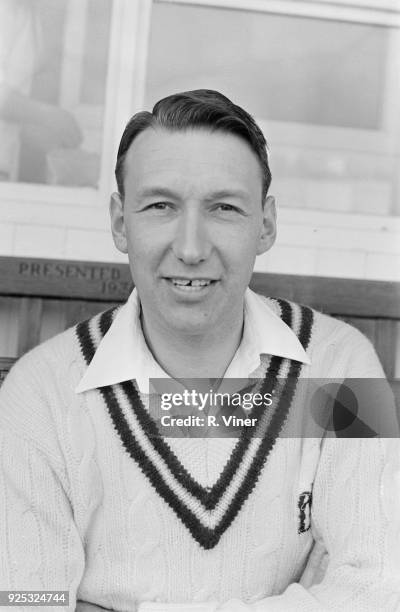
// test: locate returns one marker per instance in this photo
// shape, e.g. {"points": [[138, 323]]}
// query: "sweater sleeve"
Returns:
{"points": [[40, 547]]}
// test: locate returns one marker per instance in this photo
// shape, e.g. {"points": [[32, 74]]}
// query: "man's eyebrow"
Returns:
{"points": [[165, 192], [149, 192], [238, 194]]}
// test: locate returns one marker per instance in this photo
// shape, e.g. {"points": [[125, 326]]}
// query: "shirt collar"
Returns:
{"points": [[124, 355]]}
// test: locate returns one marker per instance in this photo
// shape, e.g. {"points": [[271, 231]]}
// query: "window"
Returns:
{"points": [[321, 78], [53, 76]]}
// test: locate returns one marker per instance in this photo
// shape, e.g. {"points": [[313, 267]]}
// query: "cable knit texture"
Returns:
{"points": [[78, 512]]}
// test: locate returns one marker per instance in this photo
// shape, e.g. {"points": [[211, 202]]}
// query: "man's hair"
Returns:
{"points": [[201, 108]]}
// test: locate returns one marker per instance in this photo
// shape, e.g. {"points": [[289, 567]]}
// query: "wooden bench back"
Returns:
{"points": [[77, 290]]}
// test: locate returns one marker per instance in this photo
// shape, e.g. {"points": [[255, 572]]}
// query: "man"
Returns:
{"points": [[98, 504]]}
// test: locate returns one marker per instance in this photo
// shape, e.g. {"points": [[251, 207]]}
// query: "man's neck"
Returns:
{"points": [[194, 356]]}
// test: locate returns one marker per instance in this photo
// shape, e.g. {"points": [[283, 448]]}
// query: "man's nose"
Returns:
{"points": [[191, 244]]}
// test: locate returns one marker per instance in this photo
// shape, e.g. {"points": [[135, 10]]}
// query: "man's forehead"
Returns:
{"points": [[195, 154]]}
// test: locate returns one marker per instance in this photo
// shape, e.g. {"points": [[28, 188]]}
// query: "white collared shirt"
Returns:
{"points": [[123, 353]]}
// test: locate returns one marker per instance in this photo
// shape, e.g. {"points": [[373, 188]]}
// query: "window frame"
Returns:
{"points": [[124, 66]]}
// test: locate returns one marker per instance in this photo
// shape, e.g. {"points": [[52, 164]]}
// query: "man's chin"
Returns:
{"points": [[190, 325]]}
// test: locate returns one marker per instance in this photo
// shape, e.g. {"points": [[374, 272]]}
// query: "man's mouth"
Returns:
{"points": [[191, 284]]}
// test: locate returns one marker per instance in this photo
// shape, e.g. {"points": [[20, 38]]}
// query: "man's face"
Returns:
{"points": [[192, 223]]}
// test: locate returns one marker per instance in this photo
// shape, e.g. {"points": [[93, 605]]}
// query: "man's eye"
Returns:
{"points": [[226, 208], [159, 206]]}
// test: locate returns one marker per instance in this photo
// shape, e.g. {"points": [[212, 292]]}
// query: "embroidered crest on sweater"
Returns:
{"points": [[304, 506], [207, 512]]}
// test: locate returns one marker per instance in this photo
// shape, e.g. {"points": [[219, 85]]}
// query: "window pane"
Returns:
{"points": [[282, 68], [315, 78], [53, 67]]}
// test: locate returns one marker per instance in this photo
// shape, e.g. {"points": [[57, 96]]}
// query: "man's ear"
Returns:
{"points": [[118, 223], [268, 233]]}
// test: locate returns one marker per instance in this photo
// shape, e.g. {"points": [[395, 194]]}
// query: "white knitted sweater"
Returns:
{"points": [[79, 513]]}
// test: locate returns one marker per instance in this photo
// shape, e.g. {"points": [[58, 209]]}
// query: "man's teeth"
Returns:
{"points": [[184, 282]]}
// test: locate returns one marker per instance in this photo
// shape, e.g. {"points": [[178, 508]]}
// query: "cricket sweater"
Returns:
{"points": [[93, 503]]}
